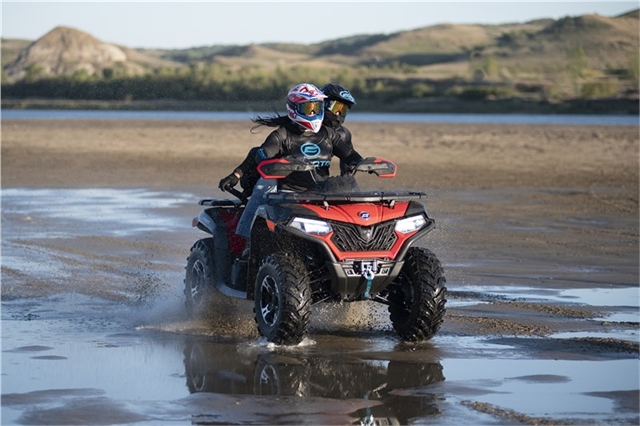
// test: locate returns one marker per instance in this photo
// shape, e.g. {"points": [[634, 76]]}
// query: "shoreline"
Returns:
{"points": [[625, 106]]}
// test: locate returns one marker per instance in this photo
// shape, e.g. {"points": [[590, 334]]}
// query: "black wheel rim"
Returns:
{"points": [[269, 300], [197, 283], [197, 377], [268, 384]]}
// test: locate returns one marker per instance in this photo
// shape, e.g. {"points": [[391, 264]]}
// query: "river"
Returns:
{"points": [[545, 119]]}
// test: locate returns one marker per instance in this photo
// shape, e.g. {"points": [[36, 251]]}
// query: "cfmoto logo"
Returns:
{"points": [[364, 215], [310, 150]]}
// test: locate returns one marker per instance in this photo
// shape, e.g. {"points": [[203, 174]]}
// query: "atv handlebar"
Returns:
{"points": [[378, 166], [280, 168]]}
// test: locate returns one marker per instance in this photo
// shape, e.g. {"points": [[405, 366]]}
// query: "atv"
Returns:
{"points": [[310, 247]]}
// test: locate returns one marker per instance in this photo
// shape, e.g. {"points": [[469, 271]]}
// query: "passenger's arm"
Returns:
{"points": [[343, 149]]}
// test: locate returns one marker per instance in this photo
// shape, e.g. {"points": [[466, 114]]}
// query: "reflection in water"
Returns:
{"points": [[220, 368]]}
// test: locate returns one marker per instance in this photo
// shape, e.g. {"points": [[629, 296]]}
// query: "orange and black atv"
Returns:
{"points": [[326, 246]]}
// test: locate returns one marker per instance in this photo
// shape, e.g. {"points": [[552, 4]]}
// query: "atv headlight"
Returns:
{"points": [[311, 226], [410, 224]]}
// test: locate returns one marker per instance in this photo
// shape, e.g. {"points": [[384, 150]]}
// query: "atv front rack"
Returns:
{"points": [[350, 197], [312, 197]]}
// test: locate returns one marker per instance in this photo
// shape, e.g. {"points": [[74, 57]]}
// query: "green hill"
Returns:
{"points": [[587, 57]]}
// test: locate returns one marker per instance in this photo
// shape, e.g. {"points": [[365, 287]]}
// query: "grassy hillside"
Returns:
{"points": [[11, 48], [582, 57]]}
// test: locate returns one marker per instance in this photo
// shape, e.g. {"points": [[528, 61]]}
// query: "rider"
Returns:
{"points": [[338, 103], [300, 133]]}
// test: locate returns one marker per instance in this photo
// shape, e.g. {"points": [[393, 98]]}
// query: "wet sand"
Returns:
{"points": [[530, 220], [105, 153]]}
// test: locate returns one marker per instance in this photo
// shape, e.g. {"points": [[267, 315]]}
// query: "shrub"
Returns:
{"points": [[421, 90], [599, 89], [486, 92]]}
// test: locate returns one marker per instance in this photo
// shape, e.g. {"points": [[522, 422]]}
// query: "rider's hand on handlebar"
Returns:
{"points": [[229, 182], [350, 168]]}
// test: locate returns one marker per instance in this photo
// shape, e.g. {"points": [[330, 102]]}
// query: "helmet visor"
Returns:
{"points": [[337, 107], [310, 109]]}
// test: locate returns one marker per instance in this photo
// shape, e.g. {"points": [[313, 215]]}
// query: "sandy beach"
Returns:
{"points": [[556, 172], [105, 153], [534, 207]]}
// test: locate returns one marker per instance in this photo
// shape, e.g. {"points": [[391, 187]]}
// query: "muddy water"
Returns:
{"points": [[542, 322]]}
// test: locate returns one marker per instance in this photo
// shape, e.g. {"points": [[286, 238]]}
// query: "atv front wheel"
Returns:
{"points": [[282, 299], [417, 297], [198, 281]]}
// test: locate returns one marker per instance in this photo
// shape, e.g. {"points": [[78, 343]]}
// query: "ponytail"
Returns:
{"points": [[276, 120]]}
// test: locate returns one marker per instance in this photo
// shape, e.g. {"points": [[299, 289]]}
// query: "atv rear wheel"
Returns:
{"points": [[417, 297], [198, 281], [282, 299]]}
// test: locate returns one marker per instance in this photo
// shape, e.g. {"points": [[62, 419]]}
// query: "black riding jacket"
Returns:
{"points": [[345, 135], [288, 140]]}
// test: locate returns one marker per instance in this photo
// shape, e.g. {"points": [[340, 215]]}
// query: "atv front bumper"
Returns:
{"points": [[361, 279]]}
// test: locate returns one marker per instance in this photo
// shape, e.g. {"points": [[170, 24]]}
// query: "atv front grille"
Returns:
{"points": [[349, 237]]}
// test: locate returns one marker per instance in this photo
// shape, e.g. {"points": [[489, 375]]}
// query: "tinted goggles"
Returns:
{"points": [[310, 109], [337, 107]]}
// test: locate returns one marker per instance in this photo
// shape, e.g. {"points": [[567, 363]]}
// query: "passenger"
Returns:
{"points": [[338, 103]]}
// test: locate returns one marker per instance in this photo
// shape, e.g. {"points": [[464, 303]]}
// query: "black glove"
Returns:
{"points": [[229, 182], [349, 169]]}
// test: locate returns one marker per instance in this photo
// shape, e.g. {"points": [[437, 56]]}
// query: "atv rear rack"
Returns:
{"points": [[220, 202]]}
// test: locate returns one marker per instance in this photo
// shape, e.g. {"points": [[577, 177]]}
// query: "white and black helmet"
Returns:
{"points": [[305, 106]]}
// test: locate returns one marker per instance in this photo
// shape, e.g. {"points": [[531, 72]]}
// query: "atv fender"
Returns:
{"points": [[210, 222]]}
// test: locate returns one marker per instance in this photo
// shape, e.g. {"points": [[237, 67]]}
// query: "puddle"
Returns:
{"points": [[465, 346], [460, 303], [621, 305], [609, 297], [628, 297], [169, 377], [557, 388], [629, 335], [66, 238], [132, 210], [159, 374], [621, 317], [35, 261], [89, 353]]}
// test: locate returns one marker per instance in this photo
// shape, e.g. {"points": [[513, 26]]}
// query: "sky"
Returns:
{"points": [[181, 25]]}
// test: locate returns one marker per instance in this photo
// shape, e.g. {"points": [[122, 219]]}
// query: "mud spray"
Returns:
{"points": [[160, 306], [231, 318]]}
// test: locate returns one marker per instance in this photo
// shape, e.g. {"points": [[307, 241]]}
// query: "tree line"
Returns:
{"points": [[217, 82]]}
